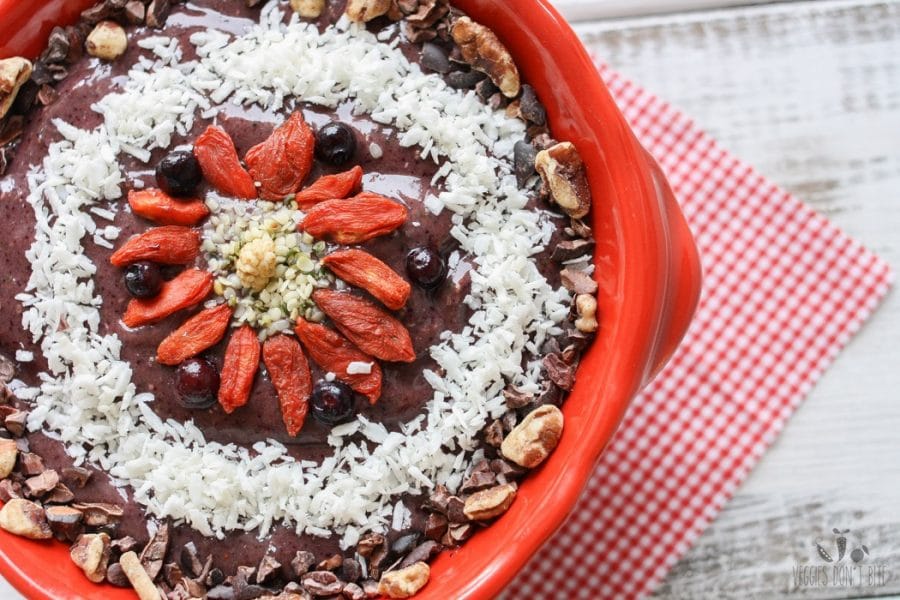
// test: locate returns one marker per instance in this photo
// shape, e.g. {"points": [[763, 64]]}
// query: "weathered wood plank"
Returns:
{"points": [[810, 94], [590, 10]]}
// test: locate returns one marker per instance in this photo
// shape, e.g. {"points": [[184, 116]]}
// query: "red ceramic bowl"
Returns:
{"points": [[647, 268]]}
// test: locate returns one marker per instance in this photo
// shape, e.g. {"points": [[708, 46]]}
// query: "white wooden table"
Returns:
{"points": [[809, 92]]}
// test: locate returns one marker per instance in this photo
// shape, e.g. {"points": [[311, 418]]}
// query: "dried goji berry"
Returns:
{"points": [[221, 167], [372, 330], [188, 289], [289, 372], [282, 162], [330, 187], [159, 207], [203, 330], [334, 353], [363, 270], [168, 245], [355, 220], [239, 369]]}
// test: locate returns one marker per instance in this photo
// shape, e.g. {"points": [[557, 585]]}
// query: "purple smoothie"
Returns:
{"points": [[399, 174]]}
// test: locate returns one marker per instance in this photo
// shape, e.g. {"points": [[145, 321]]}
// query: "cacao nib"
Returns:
{"points": [[424, 552], [302, 562], [523, 162], [531, 108], [559, 372]]}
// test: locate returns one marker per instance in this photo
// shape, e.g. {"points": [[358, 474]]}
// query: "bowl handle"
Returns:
{"points": [[684, 274]]}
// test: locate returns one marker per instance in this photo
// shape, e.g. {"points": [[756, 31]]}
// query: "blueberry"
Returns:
{"points": [[425, 266], [197, 382], [336, 143], [178, 173], [331, 402], [143, 279]]}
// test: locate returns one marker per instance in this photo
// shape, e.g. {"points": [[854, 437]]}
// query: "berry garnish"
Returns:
{"points": [[425, 266], [143, 279], [336, 143], [197, 382], [331, 402], [178, 173]]}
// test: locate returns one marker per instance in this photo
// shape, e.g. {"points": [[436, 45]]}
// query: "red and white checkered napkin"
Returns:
{"points": [[784, 291]]}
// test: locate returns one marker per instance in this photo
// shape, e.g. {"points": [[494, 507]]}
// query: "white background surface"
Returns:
{"points": [[809, 92]]}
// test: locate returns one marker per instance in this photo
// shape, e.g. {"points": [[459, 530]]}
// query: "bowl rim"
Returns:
{"points": [[661, 290], [646, 229]]}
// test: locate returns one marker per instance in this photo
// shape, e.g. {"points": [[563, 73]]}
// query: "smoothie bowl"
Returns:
{"points": [[314, 299]]}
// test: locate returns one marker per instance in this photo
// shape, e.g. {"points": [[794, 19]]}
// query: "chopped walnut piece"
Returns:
{"points": [[8, 453], [14, 72], [107, 41], [586, 305], [25, 518], [308, 9], [404, 583], [535, 437], [490, 503], [563, 172], [91, 553], [363, 11], [482, 49]]}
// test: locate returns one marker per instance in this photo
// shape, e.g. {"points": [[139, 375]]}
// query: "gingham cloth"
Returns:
{"points": [[784, 290]]}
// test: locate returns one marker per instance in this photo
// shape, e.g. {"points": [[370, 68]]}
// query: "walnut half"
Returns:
{"points": [[482, 49], [563, 172]]}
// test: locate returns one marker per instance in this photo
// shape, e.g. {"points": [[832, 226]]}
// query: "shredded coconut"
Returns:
{"points": [[87, 398], [359, 368]]}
